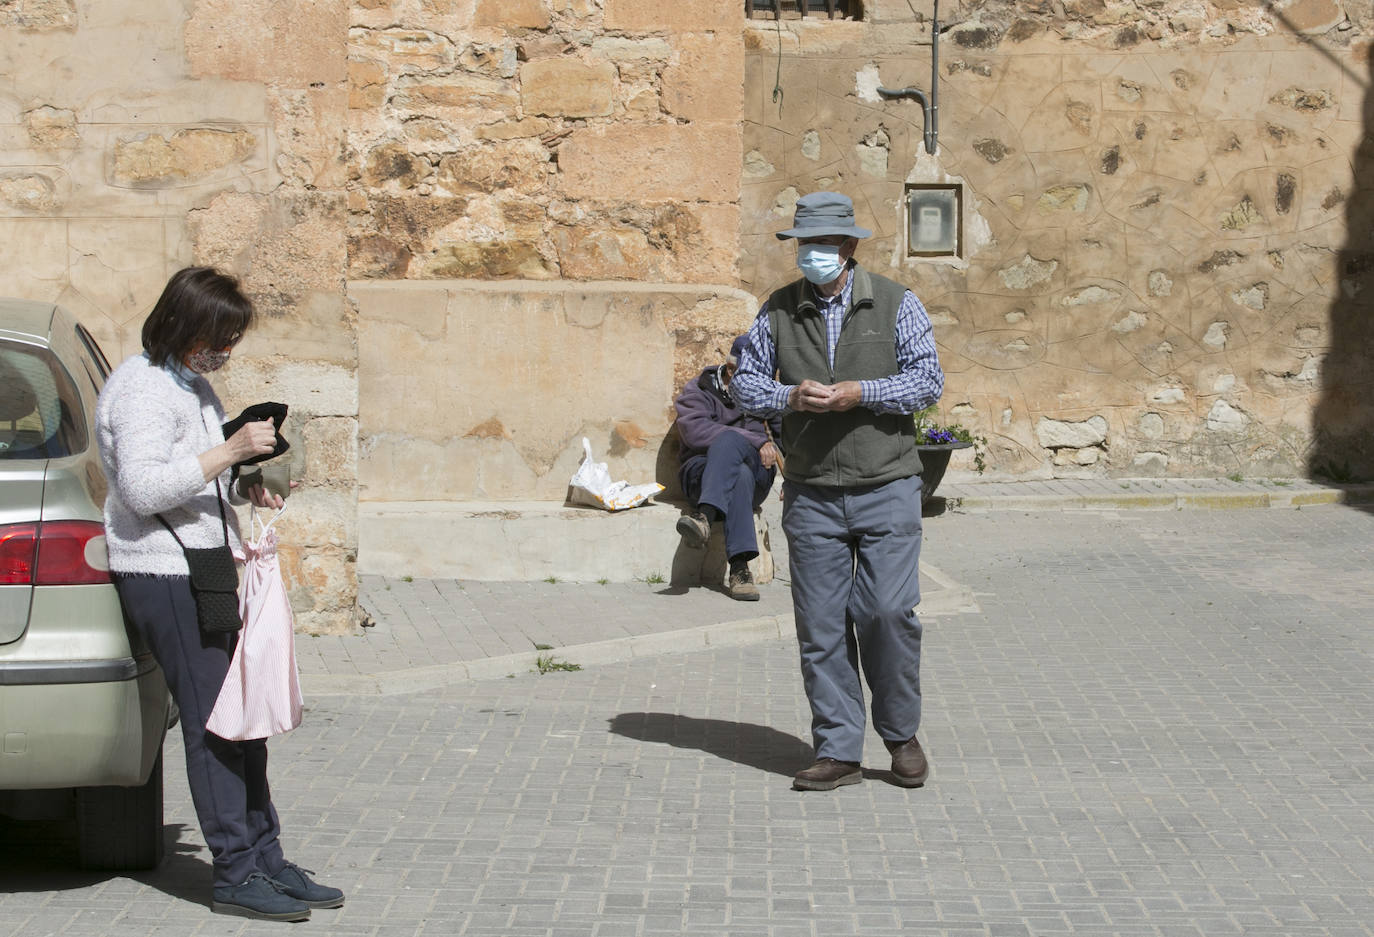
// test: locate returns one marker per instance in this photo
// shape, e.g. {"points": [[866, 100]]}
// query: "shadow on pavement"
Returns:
{"points": [[41, 856], [183, 874], [755, 746]]}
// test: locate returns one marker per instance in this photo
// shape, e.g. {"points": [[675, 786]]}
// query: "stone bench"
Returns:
{"points": [[535, 540]]}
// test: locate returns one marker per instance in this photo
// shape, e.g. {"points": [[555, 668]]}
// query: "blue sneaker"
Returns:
{"points": [[259, 897], [295, 882]]}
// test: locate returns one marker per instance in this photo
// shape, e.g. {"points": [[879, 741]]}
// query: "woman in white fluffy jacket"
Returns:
{"points": [[159, 428]]}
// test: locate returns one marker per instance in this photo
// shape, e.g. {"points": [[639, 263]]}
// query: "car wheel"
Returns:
{"points": [[121, 827]]}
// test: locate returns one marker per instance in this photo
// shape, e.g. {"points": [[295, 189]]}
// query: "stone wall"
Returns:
{"points": [[484, 391], [1159, 198], [501, 149], [137, 138]]}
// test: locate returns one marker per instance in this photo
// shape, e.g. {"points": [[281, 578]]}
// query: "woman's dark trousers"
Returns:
{"points": [[228, 780]]}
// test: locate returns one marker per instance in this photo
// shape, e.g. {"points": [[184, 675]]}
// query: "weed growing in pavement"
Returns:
{"points": [[654, 579], [1236, 477], [545, 663], [602, 581], [407, 579], [550, 579]]}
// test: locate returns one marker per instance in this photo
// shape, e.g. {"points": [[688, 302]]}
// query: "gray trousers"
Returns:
{"points": [[854, 556]]}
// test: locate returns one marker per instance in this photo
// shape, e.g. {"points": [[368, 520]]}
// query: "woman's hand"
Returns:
{"points": [[253, 439], [262, 498]]}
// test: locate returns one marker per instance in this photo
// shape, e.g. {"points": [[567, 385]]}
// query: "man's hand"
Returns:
{"points": [[815, 397], [810, 396], [845, 395], [768, 454]]}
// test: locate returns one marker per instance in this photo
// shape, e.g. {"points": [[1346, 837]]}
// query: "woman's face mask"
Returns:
{"points": [[820, 263], [206, 360]]}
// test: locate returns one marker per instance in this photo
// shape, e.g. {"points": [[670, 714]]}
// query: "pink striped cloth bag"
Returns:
{"points": [[261, 694]]}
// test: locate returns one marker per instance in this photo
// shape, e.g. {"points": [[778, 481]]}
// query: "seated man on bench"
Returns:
{"points": [[728, 460]]}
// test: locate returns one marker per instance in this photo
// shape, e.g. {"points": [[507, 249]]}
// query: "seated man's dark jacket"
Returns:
{"points": [[704, 412]]}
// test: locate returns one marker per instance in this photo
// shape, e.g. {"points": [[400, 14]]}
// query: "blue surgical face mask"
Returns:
{"points": [[820, 263]]}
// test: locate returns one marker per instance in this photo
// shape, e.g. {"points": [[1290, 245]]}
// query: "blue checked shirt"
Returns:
{"points": [[917, 384]]}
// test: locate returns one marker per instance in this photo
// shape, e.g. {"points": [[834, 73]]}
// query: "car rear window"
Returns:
{"points": [[41, 416]]}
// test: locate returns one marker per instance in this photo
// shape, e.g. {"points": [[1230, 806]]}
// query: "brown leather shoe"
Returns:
{"points": [[695, 529], [742, 586], [909, 765], [827, 774]]}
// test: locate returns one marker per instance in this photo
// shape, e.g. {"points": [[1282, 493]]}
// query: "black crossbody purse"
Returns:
{"points": [[214, 578]]}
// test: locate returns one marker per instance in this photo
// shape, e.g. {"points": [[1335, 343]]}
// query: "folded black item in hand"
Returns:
{"points": [[276, 412]]}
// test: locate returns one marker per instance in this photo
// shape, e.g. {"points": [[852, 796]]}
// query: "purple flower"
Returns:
{"points": [[938, 436]]}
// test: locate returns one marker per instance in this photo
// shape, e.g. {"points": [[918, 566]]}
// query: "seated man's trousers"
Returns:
{"points": [[731, 479]]}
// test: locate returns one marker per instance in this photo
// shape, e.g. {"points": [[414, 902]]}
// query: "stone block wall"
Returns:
{"points": [[137, 138], [484, 391], [501, 150], [545, 140], [1166, 249]]}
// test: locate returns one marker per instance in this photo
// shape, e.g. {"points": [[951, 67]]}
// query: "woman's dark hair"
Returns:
{"points": [[199, 306]]}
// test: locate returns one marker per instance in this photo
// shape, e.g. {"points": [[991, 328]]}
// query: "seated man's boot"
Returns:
{"points": [[742, 585], [695, 529]]}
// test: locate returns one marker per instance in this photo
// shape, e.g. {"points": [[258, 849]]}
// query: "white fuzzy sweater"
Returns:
{"points": [[151, 431]]}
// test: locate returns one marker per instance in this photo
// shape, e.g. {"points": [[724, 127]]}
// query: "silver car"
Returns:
{"points": [[83, 705]]}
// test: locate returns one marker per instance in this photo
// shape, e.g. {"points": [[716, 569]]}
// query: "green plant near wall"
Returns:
{"points": [[930, 431]]}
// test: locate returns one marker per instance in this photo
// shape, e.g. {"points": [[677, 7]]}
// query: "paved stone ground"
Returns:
{"points": [[1156, 723]]}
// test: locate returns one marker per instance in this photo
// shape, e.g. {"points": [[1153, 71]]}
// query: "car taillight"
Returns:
{"points": [[53, 553], [18, 551]]}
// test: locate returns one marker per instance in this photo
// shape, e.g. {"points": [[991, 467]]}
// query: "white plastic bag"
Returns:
{"points": [[591, 485], [261, 694]]}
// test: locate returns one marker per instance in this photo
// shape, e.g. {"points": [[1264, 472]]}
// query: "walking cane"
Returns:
{"points": [[781, 468]]}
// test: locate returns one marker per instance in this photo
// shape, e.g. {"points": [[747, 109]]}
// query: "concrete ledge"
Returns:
{"points": [[525, 541], [1173, 495], [418, 679], [1049, 502], [1218, 500]]}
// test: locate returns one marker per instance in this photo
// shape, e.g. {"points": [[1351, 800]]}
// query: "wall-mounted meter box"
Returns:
{"points": [[935, 218]]}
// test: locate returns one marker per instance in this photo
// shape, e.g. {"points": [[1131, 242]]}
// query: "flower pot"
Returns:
{"points": [[934, 461]]}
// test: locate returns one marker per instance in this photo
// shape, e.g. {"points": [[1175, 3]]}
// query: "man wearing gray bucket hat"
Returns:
{"points": [[846, 356]]}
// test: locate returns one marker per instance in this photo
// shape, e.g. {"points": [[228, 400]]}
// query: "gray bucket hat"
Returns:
{"points": [[823, 213]]}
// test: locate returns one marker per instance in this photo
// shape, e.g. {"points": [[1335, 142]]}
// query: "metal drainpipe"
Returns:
{"points": [[929, 105]]}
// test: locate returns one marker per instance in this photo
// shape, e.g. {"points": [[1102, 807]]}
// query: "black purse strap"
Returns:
{"points": [[219, 500]]}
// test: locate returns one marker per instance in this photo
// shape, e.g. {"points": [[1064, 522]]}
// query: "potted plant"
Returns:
{"points": [[936, 442]]}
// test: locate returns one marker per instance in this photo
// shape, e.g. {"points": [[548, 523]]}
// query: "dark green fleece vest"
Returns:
{"points": [[858, 447]]}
